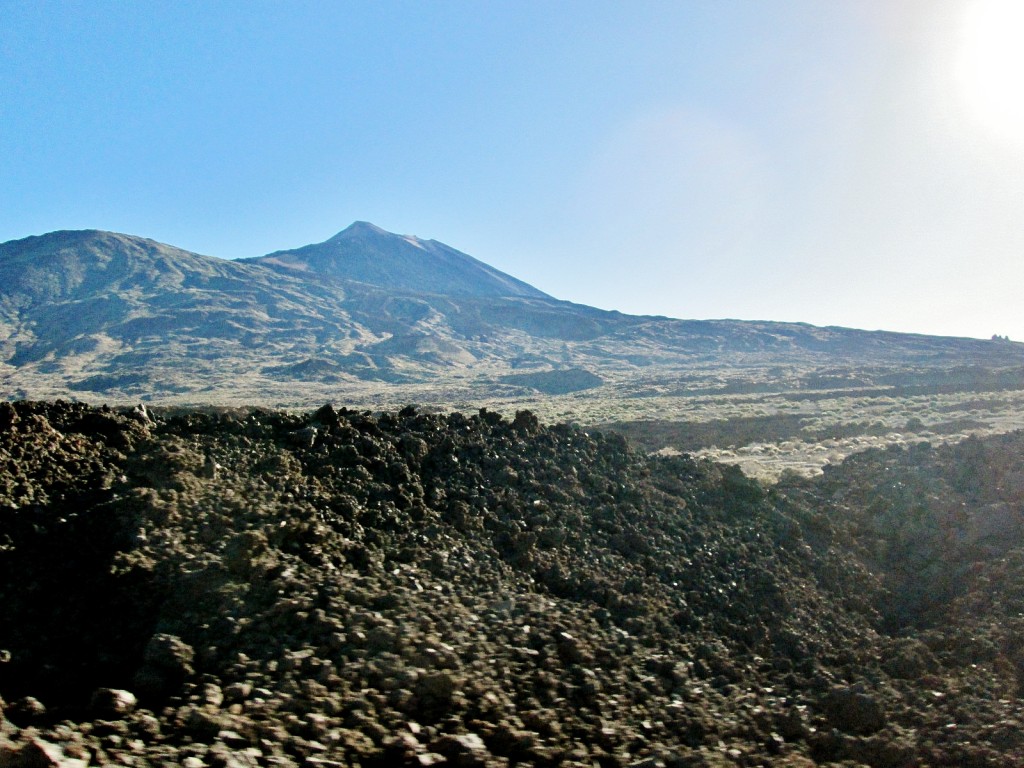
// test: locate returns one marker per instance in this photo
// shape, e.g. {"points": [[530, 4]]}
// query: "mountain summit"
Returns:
{"points": [[368, 254]]}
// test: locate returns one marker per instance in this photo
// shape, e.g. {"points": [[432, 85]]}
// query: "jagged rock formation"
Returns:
{"points": [[246, 587]]}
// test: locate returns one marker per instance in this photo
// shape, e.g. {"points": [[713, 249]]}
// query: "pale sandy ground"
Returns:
{"points": [[767, 461]]}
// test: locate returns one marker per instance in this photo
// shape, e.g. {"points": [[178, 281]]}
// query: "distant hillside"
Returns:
{"points": [[73, 265], [103, 315]]}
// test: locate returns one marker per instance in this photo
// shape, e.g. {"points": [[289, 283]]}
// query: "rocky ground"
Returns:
{"points": [[253, 588]]}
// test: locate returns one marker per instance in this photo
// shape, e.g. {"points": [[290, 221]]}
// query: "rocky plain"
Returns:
{"points": [[236, 587]]}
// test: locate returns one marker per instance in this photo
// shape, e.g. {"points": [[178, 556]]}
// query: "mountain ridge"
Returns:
{"points": [[110, 315]]}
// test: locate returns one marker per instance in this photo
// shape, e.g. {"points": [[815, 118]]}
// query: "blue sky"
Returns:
{"points": [[850, 162]]}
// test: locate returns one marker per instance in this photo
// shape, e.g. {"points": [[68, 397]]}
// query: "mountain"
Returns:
{"points": [[368, 254], [408, 589], [97, 311], [369, 315]]}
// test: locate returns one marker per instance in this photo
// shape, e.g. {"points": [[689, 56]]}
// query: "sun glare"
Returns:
{"points": [[990, 67]]}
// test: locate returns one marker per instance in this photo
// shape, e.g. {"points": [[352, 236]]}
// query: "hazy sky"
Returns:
{"points": [[839, 162]]}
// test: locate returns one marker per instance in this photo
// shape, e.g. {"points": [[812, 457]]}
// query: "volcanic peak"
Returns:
{"points": [[360, 229], [368, 254]]}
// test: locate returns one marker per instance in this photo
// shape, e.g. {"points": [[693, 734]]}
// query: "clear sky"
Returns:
{"points": [[839, 162]]}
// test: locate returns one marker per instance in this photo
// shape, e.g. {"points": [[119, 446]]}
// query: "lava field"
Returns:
{"points": [[242, 588]]}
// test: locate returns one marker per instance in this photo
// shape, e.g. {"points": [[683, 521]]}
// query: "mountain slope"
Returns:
{"points": [[368, 254], [71, 265], [369, 314], [122, 307]]}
